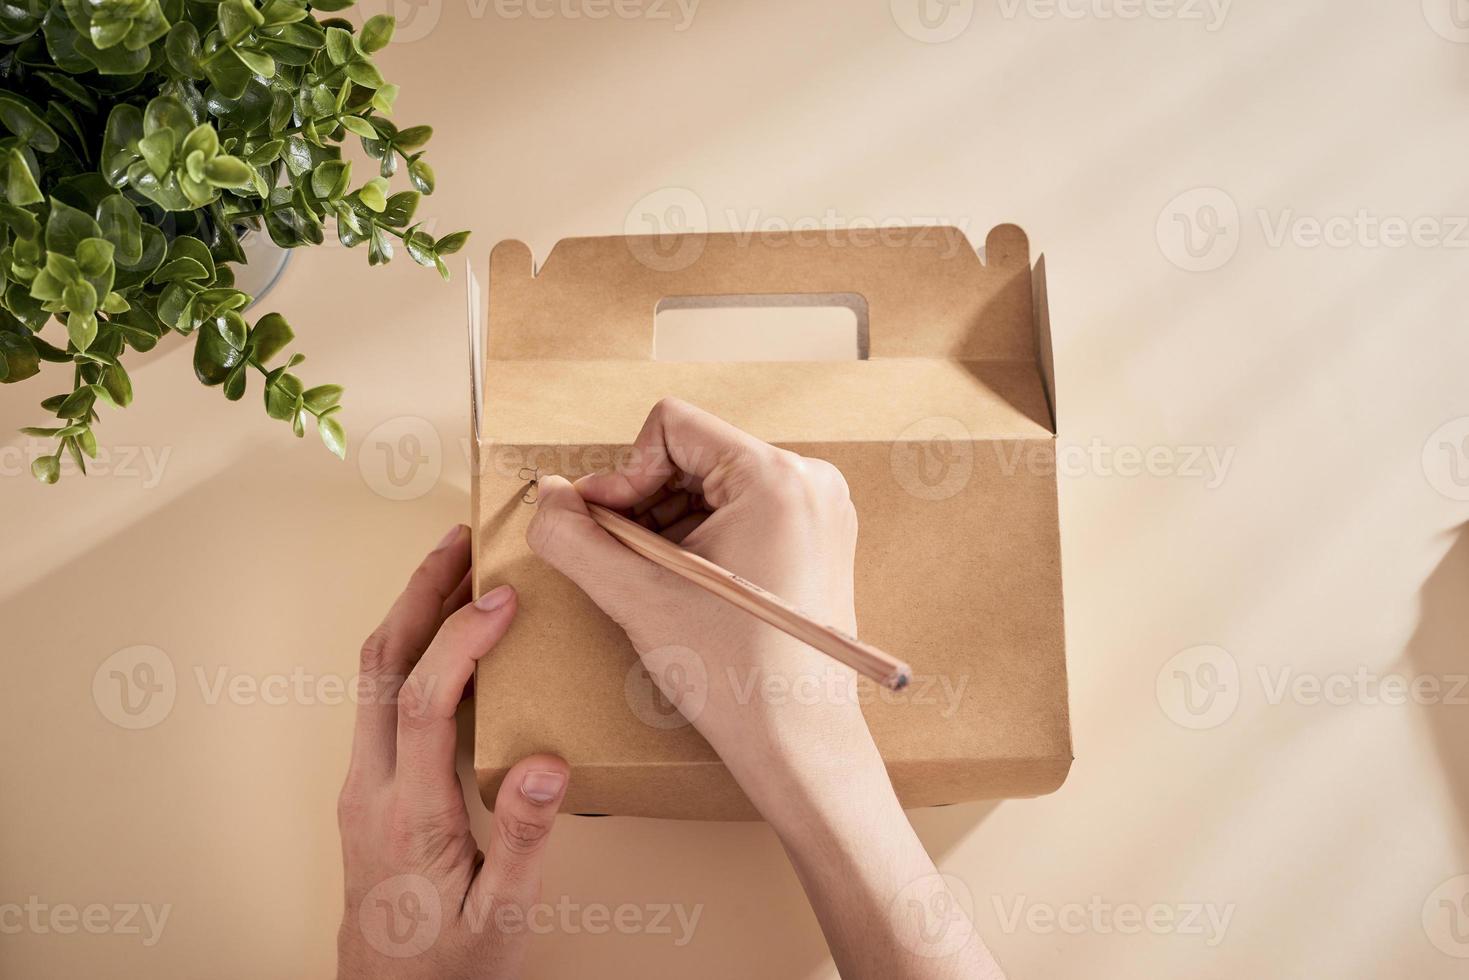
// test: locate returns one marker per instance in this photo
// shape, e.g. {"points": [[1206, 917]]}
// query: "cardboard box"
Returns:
{"points": [[944, 429]]}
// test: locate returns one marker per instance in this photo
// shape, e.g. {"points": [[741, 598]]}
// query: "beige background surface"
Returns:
{"points": [[1322, 547]]}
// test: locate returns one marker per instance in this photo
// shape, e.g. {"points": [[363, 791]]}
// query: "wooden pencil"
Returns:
{"points": [[864, 658]]}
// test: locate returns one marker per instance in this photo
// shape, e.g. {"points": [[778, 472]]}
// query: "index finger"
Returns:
{"points": [[676, 437]]}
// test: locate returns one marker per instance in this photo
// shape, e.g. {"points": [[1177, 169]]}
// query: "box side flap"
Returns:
{"points": [[927, 291]]}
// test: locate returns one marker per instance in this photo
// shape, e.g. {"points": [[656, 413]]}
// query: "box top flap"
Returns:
{"points": [[928, 293]]}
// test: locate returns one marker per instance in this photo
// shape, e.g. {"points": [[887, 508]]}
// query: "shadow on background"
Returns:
{"points": [[1438, 649]]}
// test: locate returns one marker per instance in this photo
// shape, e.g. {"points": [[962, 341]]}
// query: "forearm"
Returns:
{"points": [[884, 909]]}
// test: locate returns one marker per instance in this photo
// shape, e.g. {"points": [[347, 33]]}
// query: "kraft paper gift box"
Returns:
{"points": [[944, 428]]}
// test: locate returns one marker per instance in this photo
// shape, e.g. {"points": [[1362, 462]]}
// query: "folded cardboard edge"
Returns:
{"points": [[1045, 360]]}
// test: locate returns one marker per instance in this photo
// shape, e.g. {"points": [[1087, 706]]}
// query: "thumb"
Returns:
{"points": [[525, 811], [563, 533]]}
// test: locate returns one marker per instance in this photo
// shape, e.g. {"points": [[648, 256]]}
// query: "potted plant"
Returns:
{"points": [[138, 140]]}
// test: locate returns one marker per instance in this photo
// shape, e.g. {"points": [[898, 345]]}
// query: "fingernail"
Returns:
{"points": [[494, 599], [449, 538], [542, 786]]}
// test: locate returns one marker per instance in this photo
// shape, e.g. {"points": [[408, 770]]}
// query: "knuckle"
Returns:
{"points": [[544, 530], [351, 802], [373, 658], [522, 836], [415, 702]]}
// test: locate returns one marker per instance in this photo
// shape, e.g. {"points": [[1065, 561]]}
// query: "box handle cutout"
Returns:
{"points": [[763, 327]]}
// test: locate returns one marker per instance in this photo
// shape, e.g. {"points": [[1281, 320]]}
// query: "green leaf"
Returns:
{"points": [[181, 47], [234, 382], [228, 171], [237, 18], [282, 394], [213, 355], [373, 194], [18, 358], [123, 227], [120, 142], [330, 5], [364, 73], [228, 73], [413, 137], [118, 385], [194, 254], [201, 139], [47, 469], [78, 404], [451, 243], [333, 436], [399, 209], [167, 112], [23, 118], [272, 334], [330, 179], [266, 153], [321, 398], [376, 33], [258, 62], [157, 151], [81, 328], [421, 176], [66, 227], [94, 257], [358, 126], [233, 329], [338, 45], [20, 184], [278, 12]]}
